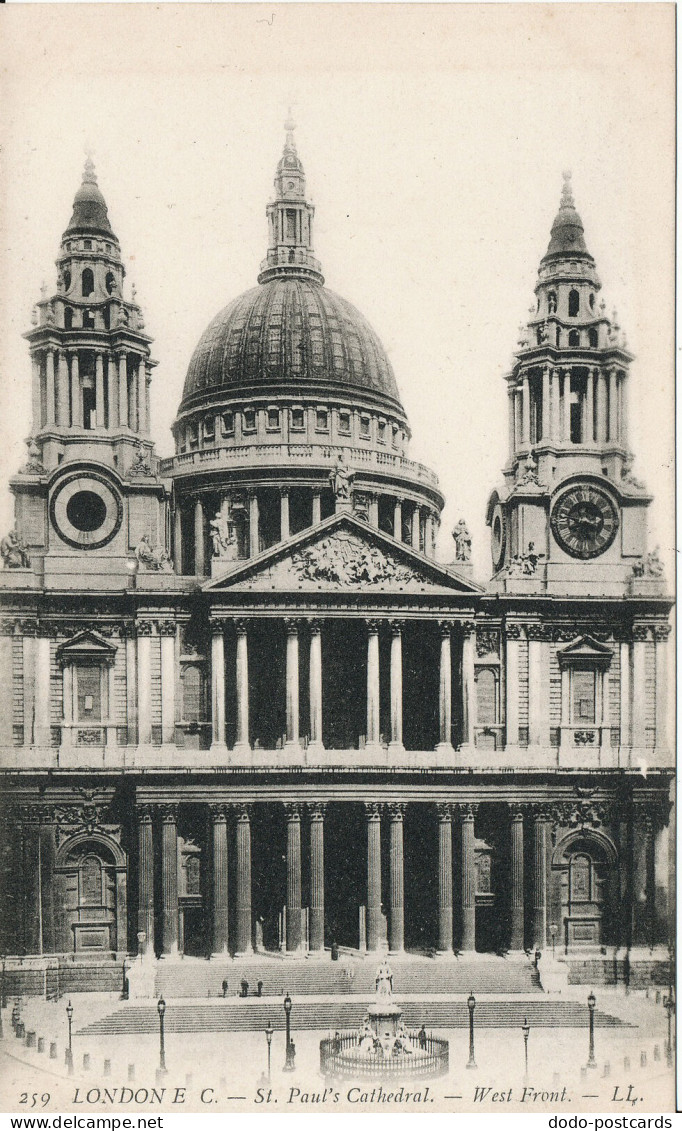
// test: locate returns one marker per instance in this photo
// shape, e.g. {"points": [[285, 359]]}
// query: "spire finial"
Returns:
{"points": [[567, 200], [89, 176], [290, 126]]}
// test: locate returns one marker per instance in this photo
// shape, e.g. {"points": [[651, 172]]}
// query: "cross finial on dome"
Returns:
{"points": [[290, 126], [89, 175], [567, 200]]}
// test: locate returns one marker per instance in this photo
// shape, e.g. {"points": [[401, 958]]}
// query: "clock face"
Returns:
{"points": [[498, 536], [86, 511], [584, 521]]}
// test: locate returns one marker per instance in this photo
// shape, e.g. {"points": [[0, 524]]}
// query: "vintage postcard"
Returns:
{"points": [[337, 535]]}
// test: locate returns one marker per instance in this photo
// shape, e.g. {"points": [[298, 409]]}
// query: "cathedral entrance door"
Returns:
{"points": [[583, 874], [89, 901]]}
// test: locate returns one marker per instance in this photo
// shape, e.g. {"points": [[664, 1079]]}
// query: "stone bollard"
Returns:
{"points": [[86, 1061], [30, 1039], [657, 1053], [107, 1068], [19, 1030], [131, 1071], [53, 1050], [41, 1044], [642, 1059], [626, 1063]]}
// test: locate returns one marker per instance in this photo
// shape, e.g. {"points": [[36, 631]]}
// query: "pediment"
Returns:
{"points": [[85, 645], [584, 648], [339, 554]]}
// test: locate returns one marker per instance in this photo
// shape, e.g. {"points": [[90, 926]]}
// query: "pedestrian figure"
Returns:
{"points": [[245, 988], [422, 1038], [225, 987], [259, 990]]}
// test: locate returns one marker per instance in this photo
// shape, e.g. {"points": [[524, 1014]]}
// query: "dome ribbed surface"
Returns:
{"points": [[89, 210], [289, 331]]}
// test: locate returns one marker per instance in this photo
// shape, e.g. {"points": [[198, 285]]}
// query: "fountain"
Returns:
{"points": [[382, 1047]]}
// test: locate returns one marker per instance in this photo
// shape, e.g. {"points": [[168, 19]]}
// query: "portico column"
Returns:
{"points": [[555, 405], [661, 634], [396, 743], [316, 811], [539, 877], [373, 509], [49, 390], [142, 396], [511, 406], [218, 686], [444, 878], [600, 380], [177, 537], [254, 539], [283, 513], [398, 520], [315, 679], [566, 397], [36, 399], [623, 385], [293, 812], [396, 916], [518, 416], [292, 682], [445, 688], [317, 508], [512, 634], [145, 878], [545, 403], [415, 528], [144, 683], [112, 392], [167, 632], [525, 411], [468, 888], [76, 405], [469, 681], [99, 389], [242, 662], [41, 730], [199, 559], [517, 906], [169, 878], [373, 702], [122, 390], [613, 407], [62, 390], [244, 941], [373, 815], [588, 430], [219, 887]]}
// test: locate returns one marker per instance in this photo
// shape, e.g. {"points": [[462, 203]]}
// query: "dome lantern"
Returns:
{"points": [[290, 220]]}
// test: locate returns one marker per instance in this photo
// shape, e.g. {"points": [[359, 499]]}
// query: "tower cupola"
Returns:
{"points": [[290, 221]]}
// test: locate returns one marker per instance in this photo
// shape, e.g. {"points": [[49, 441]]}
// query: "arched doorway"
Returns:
{"points": [[584, 866], [91, 880]]}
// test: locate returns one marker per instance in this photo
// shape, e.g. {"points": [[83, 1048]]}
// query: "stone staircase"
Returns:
{"points": [[255, 1014]]}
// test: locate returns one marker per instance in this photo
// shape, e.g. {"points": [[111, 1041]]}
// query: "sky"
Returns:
{"points": [[433, 139]]}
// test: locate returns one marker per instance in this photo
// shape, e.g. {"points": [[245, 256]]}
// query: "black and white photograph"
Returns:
{"points": [[337, 538]]}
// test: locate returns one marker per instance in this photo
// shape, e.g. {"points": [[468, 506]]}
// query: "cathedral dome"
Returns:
{"points": [[289, 331], [89, 206]]}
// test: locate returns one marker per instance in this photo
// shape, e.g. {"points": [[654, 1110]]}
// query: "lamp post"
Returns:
{"points": [[69, 1052], [591, 1002], [669, 1005], [471, 1004], [553, 931], [161, 1007], [525, 1029], [289, 1048], [268, 1036]]}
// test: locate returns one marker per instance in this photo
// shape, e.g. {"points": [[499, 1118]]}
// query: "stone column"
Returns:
{"points": [[555, 401], [254, 537], [283, 513], [63, 390], [545, 403], [588, 415], [123, 389], [48, 851], [168, 677], [169, 878], [396, 917], [317, 508], [42, 732], [373, 509], [396, 743], [373, 814], [144, 683], [625, 698], [112, 391], [31, 874], [445, 688], [217, 687], [142, 396], [623, 415], [316, 811], [661, 634], [600, 382], [199, 549], [99, 389], [525, 412], [292, 683], [468, 889], [244, 941], [512, 633], [145, 881], [518, 416], [76, 399], [538, 687], [614, 434], [177, 537], [36, 398], [540, 819], [49, 388], [415, 528], [242, 737], [315, 685], [517, 903], [638, 686], [444, 878], [398, 520], [373, 701], [566, 397], [293, 812], [469, 682], [219, 886], [511, 405]]}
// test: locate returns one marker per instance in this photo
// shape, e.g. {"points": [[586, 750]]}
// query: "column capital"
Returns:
{"points": [[373, 811], [467, 810], [241, 625], [145, 813], [314, 624], [317, 810], [516, 811], [396, 810], [165, 627], [445, 811], [284, 490], [661, 631], [513, 631], [541, 812], [168, 812], [372, 624], [445, 627], [396, 626], [218, 812], [293, 810], [216, 624], [121, 353], [466, 627], [293, 625], [242, 811]]}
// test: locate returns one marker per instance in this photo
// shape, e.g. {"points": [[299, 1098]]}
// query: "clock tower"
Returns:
{"points": [[571, 517]]}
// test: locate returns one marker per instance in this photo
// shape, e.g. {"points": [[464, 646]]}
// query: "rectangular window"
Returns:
{"points": [[89, 691], [249, 420], [87, 244], [364, 427], [344, 423], [381, 431], [486, 697], [194, 436], [228, 424], [584, 697], [291, 224], [322, 420], [209, 427], [191, 695], [297, 419], [273, 419]]}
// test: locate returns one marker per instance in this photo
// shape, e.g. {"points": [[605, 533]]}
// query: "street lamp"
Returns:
{"points": [[69, 1052], [591, 1002], [554, 931], [289, 1053], [669, 1005], [525, 1029], [161, 1007], [471, 1003], [268, 1036]]}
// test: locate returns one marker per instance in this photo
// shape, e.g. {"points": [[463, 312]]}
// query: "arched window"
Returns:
{"points": [[87, 282], [594, 337], [68, 318], [573, 303], [551, 302], [110, 282], [88, 320], [591, 302], [558, 336], [538, 335], [574, 338]]}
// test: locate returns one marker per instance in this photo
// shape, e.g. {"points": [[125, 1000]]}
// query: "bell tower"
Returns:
{"points": [[90, 486], [290, 220], [571, 517]]}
